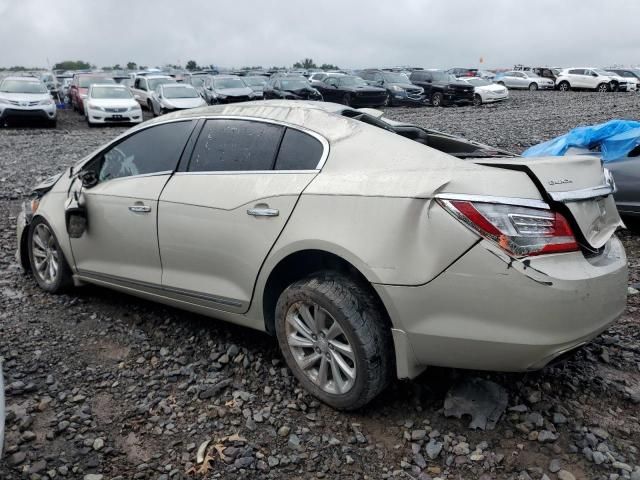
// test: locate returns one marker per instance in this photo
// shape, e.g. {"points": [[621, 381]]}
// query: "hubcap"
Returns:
{"points": [[45, 254], [320, 347]]}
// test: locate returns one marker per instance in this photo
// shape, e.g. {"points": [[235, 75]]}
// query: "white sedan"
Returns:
{"points": [[485, 91], [170, 97], [109, 103]]}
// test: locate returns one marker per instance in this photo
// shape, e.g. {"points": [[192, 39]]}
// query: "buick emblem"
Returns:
{"points": [[560, 181]]}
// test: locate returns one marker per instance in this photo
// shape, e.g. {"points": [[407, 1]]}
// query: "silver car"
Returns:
{"points": [[524, 80], [369, 248], [26, 98]]}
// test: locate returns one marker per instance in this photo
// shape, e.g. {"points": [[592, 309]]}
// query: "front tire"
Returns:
{"points": [[436, 99], [346, 100], [477, 100], [533, 86], [48, 264], [334, 339]]}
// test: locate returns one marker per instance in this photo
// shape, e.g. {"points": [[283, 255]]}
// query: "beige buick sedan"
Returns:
{"points": [[368, 247]]}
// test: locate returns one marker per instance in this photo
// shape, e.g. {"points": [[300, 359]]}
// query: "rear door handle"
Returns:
{"points": [[263, 212], [140, 208]]}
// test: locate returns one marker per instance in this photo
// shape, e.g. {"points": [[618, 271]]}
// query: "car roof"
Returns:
{"points": [[152, 77]]}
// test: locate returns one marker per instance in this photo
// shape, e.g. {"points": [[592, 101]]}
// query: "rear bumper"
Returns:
{"points": [[486, 312]]}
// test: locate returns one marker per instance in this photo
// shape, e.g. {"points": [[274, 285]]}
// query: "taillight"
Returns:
{"points": [[520, 231]]}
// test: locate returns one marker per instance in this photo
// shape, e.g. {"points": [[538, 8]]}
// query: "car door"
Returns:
{"points": [[220, 216], [121, 241], [330, 91]]}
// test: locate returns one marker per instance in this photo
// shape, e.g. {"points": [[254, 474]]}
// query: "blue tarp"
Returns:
{"points": [[616, 139]]}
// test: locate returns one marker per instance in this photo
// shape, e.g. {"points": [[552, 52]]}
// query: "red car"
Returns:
{"points": [[80, 86]]}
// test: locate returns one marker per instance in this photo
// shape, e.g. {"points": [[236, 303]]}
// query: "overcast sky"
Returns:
{"points": [[349, 33]]}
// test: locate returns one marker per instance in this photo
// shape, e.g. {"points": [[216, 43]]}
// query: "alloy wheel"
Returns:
{"points": [[320, 347], [46, 257], [603, 87]]}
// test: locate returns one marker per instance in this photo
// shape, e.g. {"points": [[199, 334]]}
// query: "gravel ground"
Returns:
{"points": [[106, 386]]}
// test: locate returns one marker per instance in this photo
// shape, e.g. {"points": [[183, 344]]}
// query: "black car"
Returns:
{"points": [[352, 91], [631, 74], [398, 87], [291, 88], [441, 88]]}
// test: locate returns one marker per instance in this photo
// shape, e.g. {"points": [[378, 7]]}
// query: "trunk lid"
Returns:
{"points": [[580, 183]]}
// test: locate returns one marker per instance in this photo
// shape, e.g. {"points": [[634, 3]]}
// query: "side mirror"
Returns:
{"points": [[75, 215], [88, 178]]}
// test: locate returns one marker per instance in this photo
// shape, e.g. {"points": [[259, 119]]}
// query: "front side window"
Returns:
{"points": [[153, 150], [235, 145]]}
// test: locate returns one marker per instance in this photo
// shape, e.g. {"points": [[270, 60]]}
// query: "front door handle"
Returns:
{"points": [[263, 211], [140, 208]]}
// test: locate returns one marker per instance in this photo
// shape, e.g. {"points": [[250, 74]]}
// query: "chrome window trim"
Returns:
{"points": [[141, 127], [141, 175], [323, 141], [246, 172], [521, 202]]}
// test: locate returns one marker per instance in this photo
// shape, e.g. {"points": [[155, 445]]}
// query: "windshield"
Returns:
{"points": [[352, 81], [395, 78], [478, 82], [255, 81], [110, 92], [228, 83], [154, 82], [197, 81], [22, 86], [180, 91], [293, 83]]}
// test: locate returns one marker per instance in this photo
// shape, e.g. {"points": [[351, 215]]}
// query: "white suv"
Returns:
{"points": [[26, 98], [583, 79]]}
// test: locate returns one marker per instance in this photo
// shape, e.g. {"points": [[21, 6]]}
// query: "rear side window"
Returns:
{"points": [[235, 145], [576, 71], [155, 149], [299, 151]]}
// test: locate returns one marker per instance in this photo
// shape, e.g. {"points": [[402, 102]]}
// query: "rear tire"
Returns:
{"points": [[47, 261], [533, 86], [436, 99], [564, 86], [328, 326], [603, 87], [477, 100]]}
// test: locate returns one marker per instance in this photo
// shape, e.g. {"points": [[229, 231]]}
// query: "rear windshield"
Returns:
{"points": [[85, 82], [110, 92], [22, 86]]}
